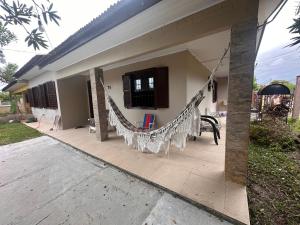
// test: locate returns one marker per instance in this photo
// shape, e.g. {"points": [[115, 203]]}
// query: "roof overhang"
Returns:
{"points": [[155, 17], [16, 86]]}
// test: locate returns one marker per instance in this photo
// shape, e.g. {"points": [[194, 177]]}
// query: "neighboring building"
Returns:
{"points": [[146, 41]]}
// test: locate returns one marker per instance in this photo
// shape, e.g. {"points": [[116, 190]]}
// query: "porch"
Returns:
{"points": [[195, 174]]}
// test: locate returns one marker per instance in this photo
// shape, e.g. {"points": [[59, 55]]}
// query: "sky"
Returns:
{"points": [[74, 15], [276, 61], [271, 57]]}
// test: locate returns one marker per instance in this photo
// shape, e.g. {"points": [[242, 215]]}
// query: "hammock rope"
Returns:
{"points": [[173, 133]]}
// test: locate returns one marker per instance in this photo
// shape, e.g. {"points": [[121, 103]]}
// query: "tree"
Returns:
{"points": [[256, 86], [295, 28], [290, 85], [7, 72], [26, 15], [6, 36]]}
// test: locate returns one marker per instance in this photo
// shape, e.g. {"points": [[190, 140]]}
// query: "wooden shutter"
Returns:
{"points": [[215, 92], [42, 98], [51, 95], [35, 93], [29, 96], [127, 91], [161, 87]]}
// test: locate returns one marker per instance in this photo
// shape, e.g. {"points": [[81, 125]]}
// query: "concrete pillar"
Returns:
{"points": [[98, 96], [240, 81], [296, 107]]}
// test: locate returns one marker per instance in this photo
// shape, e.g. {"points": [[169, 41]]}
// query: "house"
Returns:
{"points": [[170, 46]]}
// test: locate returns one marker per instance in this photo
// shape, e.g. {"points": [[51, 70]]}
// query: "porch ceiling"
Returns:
{"points": [[209, 49], [206, 50]]}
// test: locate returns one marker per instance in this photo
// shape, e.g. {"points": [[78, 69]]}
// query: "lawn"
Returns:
{"points": [[273, 176], [16, 132]]}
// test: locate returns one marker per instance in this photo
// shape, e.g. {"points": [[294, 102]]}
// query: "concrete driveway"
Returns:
{"points": [[43, 181]]}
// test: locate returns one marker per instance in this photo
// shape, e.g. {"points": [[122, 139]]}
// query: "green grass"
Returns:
{"points": [[295, 124], [273, 186], [16, 132]]}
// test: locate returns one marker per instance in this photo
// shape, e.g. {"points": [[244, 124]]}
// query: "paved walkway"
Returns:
{"points": [[43, 181], [197, 173]]}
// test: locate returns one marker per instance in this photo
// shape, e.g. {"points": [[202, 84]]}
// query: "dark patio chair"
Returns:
{"points": [[210, 124]]}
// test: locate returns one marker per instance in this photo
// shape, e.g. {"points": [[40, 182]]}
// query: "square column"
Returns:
{"points": [[98, 96], [240, 82]]}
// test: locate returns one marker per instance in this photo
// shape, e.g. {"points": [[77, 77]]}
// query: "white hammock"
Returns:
{"points": [[173, 133]]}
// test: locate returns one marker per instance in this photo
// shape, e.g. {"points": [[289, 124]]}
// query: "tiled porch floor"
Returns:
{"points": [[197, 173]]}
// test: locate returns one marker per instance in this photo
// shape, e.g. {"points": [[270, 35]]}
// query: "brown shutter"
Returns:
{"points": [[42, 99], [51, 95], [30, 97], [161, 87], [35, 93], [127, 91], [215, 92]]}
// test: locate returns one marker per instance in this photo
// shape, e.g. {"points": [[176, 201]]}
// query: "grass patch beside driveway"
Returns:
{"points": [[16, 132], [273, 187]]}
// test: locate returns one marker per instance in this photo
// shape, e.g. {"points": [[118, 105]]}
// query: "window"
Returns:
{"points": [[43, 96], [151, 82], [147, 88], [138, 84], [214, 88]]}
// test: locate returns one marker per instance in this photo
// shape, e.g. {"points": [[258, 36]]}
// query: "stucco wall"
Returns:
{"points": [[222, 94], [73, 101], [43, 78], [176, 63], [196, 77]]}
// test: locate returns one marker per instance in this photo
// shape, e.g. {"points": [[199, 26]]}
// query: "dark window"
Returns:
{"points": [[51, 95], [146, 88], [36, 95], [43, 96], [151, 82], [214, 88], [138, 85]]}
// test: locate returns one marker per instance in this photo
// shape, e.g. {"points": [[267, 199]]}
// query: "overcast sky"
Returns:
{"points": [[75, 14], [276, 61]]}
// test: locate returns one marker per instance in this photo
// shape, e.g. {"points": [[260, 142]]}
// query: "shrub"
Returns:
{"points": [[294, 124], [13, 106], [274, 134]]}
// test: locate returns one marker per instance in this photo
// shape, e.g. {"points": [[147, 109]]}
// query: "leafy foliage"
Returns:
{"points": [[294, 124], [4, 96], [13, 106], [256, 86], [273, 187], [6, 36], [7, 72], [274, 134], [295, 29], [290, 85], [21, 14]]}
